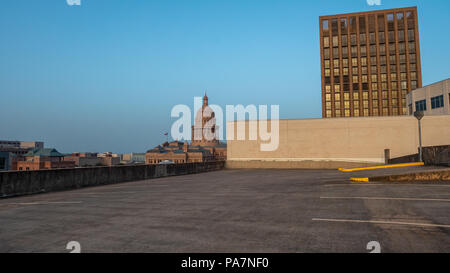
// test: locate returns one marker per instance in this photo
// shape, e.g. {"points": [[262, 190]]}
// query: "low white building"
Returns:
{"points": [[433, 99]]}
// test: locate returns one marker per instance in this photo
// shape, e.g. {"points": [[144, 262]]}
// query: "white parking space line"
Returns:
{"points": [[388, 198], [380, 222], [41, 203], [107, 192]]}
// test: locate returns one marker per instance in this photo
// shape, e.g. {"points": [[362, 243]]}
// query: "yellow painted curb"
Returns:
{"points": [[365, 179], [383, 167]]}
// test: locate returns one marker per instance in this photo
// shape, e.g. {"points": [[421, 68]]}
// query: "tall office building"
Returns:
{"points": [[370, 62]]}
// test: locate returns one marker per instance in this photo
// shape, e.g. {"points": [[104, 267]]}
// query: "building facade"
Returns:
{"points": [[43, 159], [93, 159], [433, 99], [12, 151], [178, 153], [84, 159], [204, 147], [5, 159], [370, 61], [133, 158]]}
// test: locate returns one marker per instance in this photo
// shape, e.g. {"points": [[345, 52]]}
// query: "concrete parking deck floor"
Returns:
{"points": [[234, 211]]}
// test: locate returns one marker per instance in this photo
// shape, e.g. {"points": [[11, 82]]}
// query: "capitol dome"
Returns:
{"points": [[204, 124]]}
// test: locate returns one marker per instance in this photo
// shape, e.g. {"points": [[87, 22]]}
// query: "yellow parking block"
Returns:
{"points": [[383, 167], [364, 179]]}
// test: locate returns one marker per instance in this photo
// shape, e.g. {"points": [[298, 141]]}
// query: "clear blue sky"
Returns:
{"points": [[104, 76]]}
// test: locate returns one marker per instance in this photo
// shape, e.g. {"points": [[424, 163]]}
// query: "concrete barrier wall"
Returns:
{"points": [[343, 142], [437, 155], [17, 183], [443, 175]]}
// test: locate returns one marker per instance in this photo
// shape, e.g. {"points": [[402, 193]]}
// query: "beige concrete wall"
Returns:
{"points": [[308, 143]]}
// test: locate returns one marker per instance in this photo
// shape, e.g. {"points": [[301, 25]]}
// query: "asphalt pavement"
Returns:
{"points": [[235, 211]]}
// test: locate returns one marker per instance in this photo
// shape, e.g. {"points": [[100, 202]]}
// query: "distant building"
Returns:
{"points": [[433, 99], [32, 145], [109, 160], [108, 154], [5, 161], [133, 158], [11, 151], [42, 159], [178, 152], [84, 159], [21, 144], [93, 159], [201, 149], [370, 61]]}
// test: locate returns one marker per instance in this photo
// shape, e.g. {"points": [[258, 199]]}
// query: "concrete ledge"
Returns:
{"points": [[309, 164], [443, 175], [29, 182], [383, 167]]}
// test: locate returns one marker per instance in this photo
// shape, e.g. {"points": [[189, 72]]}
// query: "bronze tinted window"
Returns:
{"points": [[344, 52], [353, 39], [326, 41], [326, 53], [401, 48], [373, 50], [372, 23], [372, 38], [412, 47], [391, 36], [400, 22], [381, 22], [324, 24], [335, 41], [373, 70], [392, 59], [411, 19], [401, 35], [334, 26], [362, 24], [363, 51], [392, 48], [344, 27], [390, 21], [362, 39], [352, 23], [344, 40], [402, 58], [411, 35], [335, 52], [382, 49], [381, 37]]}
